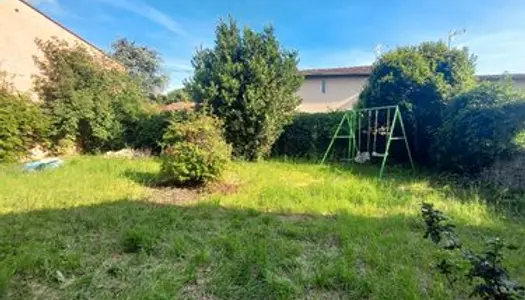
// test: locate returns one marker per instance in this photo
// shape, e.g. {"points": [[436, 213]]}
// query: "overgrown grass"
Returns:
{"points": [[292, 231]]}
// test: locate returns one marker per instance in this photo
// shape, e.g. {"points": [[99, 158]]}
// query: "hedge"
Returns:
{"points": [[309, 135]]}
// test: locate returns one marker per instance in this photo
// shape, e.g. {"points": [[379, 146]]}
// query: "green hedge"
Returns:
{"points": [[481, 126], [22, 125], [309, 135]]}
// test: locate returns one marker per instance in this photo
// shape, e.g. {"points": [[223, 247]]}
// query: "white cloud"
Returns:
{"points": [[146, 11], [53, 7], [39, 2]]}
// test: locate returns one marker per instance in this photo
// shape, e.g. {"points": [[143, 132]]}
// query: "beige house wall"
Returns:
{"points": [[520, 83], [341, 93], [20, 25]]}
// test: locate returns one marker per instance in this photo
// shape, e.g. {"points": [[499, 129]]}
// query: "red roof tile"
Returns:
{"points": [[178, 106], [347, 71]]}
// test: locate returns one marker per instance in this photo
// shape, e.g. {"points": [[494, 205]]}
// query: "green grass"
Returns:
{"points": [[291, 231]]}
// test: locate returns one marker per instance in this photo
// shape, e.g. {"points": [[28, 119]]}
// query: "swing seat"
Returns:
{"points": [[376, 154], [362, 157]]}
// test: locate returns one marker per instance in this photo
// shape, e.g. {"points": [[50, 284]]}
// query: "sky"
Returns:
{"points": [[326, 33]]}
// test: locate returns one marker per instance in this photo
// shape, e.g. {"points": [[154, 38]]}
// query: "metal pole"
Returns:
{"points": [[406, 140], [359, 132], [349, 136], [389, 140], [375, 134], [368, 131], [333, 139]]}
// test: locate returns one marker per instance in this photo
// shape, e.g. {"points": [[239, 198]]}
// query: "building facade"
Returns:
{"points": [[20, 25], [325, 90]]}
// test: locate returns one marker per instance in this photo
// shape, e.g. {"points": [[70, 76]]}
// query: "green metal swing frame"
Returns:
{"points": [[353, 120]]}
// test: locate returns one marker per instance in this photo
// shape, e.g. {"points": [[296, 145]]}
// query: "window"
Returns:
{"points": [[323, 86]]}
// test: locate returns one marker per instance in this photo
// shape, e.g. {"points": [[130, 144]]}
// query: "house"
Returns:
{"points": [[332, 89], [518, 79], [20, 25]]}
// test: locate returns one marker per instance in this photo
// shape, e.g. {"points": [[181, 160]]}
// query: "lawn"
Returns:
{"points": [[92, 230]]}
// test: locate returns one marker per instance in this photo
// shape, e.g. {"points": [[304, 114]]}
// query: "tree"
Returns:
{"points": [[249, 81], [142, 63], [422, 80], [90, 104]]}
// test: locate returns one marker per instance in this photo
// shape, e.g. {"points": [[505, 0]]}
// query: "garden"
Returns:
{"points": [[229, 200]]}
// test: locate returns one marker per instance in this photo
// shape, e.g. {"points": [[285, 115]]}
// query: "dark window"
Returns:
{"points": [[323, 86]]}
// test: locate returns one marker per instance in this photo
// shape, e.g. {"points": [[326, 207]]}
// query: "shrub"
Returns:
{"points": [[421, 80], [485, 270], [481, 126], [22, 124], [147, 133], [249, 82], [90, 103], [309, 135], [195, 151]]}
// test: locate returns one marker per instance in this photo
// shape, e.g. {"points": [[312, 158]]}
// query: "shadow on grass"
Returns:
{"points": [[149, 179], [141, 250], [155, 180]]}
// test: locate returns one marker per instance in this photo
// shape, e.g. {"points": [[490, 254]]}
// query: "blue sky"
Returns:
{"points": [[327, 33]]}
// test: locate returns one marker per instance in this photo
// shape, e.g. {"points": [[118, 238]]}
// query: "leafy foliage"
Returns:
{"points": [[248, 81], [22, 124], [480, 128], [309, 135], [90, 103], [421, 79], [149, 130], [195, 151], [491, 279], [142, 63]]}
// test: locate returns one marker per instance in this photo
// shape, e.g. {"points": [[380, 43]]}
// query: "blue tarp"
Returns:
{"points": [[42, 164]]}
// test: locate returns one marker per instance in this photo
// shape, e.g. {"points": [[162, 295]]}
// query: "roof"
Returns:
{"points": [[68, 30], [345, 71], [502, 76], [367, 71], [178, 106]]}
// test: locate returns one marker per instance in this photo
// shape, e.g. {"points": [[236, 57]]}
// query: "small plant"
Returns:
{"points": [[485, 270], [195, 151]]}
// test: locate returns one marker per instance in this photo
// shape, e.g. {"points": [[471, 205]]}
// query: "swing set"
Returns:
{"points": [[366, 126]]}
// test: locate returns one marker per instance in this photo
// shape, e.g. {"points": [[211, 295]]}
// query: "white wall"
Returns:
{"points": [[342, 93]]}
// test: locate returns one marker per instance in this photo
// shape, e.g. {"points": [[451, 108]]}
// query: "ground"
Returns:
{"points": [[97, 228]]}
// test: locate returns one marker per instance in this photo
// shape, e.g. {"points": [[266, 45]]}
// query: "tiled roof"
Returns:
{"points": [[501, 76], [178, 106], [347, 71]]}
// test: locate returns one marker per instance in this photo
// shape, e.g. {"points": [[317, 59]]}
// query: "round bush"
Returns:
{"points": [[480, 127], [194, 150]]}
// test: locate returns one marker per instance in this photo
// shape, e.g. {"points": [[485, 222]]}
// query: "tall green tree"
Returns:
{"points": [[422, 80], [249, 81], [142, 63]]}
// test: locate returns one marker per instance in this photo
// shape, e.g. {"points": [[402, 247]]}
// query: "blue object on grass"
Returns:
{"points": [[42, 164]]}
